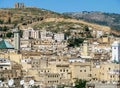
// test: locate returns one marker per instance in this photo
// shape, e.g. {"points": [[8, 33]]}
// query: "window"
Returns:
{"points": [[80, 70], [89, 75], [1, 67], [84, 70], [5, 68]]}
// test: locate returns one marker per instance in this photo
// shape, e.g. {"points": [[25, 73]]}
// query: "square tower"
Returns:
{"points": [[17, 39]]}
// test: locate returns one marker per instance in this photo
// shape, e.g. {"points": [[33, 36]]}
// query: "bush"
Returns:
{"points": [[75, 42], [9, 34], [79, 83]]}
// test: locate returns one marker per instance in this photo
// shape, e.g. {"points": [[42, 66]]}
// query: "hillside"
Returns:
{"points": [[42, 19], [16, 16], [108, 19]]}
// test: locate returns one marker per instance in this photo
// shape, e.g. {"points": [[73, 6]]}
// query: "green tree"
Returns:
{"points": [[85, 28], [67, 33], [0, 28], [75, 42], [5, 28], [2, 79], [35, 87], [9, 34], [79, 83], [9, 20], [1, 21]]}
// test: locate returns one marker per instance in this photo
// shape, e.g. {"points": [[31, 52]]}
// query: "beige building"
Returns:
{"points": [[9, 69], [105, 40], [13, 56], [50, 79], [81, 70], [110, 72]]}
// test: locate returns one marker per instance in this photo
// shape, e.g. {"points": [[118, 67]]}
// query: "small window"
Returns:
{"points": [[5, 68], [1, 67]]}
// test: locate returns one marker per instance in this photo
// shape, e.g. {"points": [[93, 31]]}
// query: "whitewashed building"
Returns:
{"points": [[31, 33], [116, 51], [59, 37]]}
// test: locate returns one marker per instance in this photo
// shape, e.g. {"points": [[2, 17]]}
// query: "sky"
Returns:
{"points": [[111, 6]]}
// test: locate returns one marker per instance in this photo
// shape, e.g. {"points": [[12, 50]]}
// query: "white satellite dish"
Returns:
{"points": [[31, 82], [0, 81], [10, 82], [22, 82]]}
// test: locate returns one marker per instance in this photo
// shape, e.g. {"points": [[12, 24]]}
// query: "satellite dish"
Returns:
{"points": [[10, 82], [31, 82], [0, 81], [22, 82]]}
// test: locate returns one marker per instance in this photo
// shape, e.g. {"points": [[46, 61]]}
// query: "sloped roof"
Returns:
{"points": [[5, 45]]}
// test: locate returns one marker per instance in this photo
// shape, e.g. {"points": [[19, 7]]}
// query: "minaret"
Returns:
{"points": [[17, 39], [116, 51], [85, 48]]}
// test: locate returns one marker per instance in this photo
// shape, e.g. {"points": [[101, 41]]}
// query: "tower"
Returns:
{"points": [[116, 51], [17, 39], [85, 48]]}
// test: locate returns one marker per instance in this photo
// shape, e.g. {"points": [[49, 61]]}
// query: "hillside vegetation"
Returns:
{"points": [[15, 16], [108, 19], [42, 19]]}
